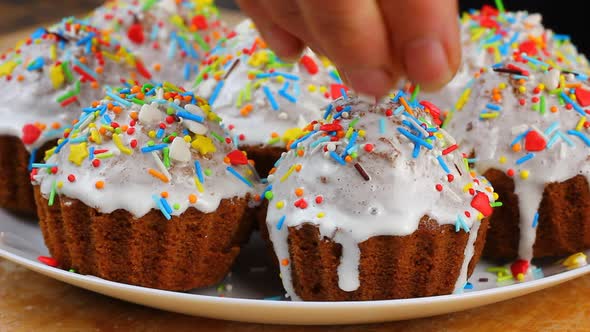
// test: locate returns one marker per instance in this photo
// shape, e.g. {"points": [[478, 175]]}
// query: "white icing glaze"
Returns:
{"points": [[297, 105], [492, 139], [170, 39], [30, 96], [488, 38], [400, 191], [126, 178]]}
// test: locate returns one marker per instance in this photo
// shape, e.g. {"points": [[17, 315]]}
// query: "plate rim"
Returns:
{"points": [[533, 284]]}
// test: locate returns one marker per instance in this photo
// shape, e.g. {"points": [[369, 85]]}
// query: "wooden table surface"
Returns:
{"points": [[32, 302]]}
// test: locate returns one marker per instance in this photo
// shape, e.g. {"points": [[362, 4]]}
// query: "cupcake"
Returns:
{"points": [[526, 124], [375, 202], [173, 37], [45, 79], [489, 36], [263, 100], [146, 189]]}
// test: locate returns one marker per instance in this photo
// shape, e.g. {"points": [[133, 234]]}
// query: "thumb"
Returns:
{"points": [[425, 39]]}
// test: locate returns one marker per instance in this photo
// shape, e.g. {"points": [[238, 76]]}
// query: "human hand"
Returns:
{"points": [[373, 43]]}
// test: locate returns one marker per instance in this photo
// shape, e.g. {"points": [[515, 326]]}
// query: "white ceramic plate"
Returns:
{"points": [[252, 292]]}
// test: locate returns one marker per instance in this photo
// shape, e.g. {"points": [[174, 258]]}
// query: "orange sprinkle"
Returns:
{"points": [[133, 115], [82, 59], [284, 262], [257, 198], [192, 198], [99, 184], [251, 76], [20, 78], [516, 147], [348, 159], [135, 89], [187, 98], [117, 109], [246, 110], [124, 127], [406, 106], [94, 85], [300, 153], [226, 160], [99, 70], [95, 103], [274, 135], [299, 192], [55, 125], [272, 171], [298, 168], [553, 109], [102, 130], [164, 194], [157, 67], [139, 96], [110, 106], [158, 175]]}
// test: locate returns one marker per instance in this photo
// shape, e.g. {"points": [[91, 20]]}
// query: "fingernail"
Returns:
{"points": [[426, 63], [371, 81]]}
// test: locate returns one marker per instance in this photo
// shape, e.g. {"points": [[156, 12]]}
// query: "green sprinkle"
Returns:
{"points": [[216, 135], [150, 143], [72, 270], [496, 204], [240, 98], [248, 91], [415, 93], [504, 278], [104, 155], [65, 96], [500, 6], [170, 111], [353, 123], [176, 206], [543, 105], [149, 4], [166, 153], [208, 172], [274, 140], [52, 193], [201, 41], [66, 69], [138, 101], [269, 195]]}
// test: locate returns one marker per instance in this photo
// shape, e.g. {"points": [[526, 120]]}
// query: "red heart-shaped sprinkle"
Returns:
{"points": [[529, 47], [200, 22], [519, 267], [30, 134], [237, 157], [481, 203], [48, 261], [336, 90], [583, 97], [534, 141]]}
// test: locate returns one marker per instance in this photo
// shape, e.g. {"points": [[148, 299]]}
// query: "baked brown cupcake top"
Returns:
{"points": [[528, 118], [373, 169], [147, 147], [47, 77], [173, 37]]}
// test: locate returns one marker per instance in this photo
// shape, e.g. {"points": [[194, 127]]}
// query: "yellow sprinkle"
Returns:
{"points": [[502, 86], [199, 185], [541, 86], [522, 89], [78, 152], [489, 115], [467, 187], [120, 146], [53, 52], [463, 99], [280, 79], [323, 89], [280, 205], [187, 138], [496, 196], [362, 133], [286, 175], [152, 134], [7, 68], [580, 124], [56, 75], [292, 134], [321, 215], [524, 174], [312, 88], [502, 160], [204, 145], [60, 184]]}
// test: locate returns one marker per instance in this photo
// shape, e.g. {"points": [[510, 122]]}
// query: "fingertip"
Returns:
{"points": [[375, 82], [285, 45], [426, 62]]}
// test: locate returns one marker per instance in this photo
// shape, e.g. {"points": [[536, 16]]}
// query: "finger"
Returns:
{"points": [[425, 36], [353, 36], [285, 44], [287, 15]]}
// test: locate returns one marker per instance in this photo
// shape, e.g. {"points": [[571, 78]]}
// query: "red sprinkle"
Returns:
{"points": [[481, 203], [534, 141], [72, 178], [237, 157], [369, 147], [48, 261], [319, 199], [30, 134], [309, 64], [135, 33], [510, 172], [439, 187]]}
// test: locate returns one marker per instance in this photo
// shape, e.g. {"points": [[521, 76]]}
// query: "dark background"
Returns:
{"points": [[561, 16]]}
